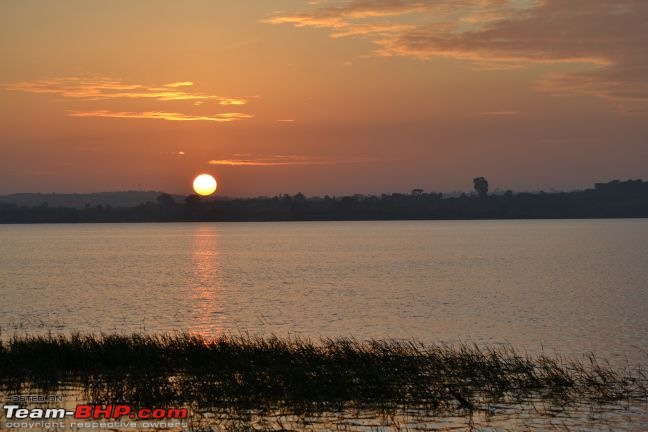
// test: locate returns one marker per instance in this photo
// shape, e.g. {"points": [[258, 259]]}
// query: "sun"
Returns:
{"points": [[204, 184]]}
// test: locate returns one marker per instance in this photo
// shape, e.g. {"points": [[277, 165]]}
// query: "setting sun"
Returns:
{"points": [[204, 184]]}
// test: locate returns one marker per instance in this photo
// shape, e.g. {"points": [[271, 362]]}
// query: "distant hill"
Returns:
{"points": [[79, 201]]}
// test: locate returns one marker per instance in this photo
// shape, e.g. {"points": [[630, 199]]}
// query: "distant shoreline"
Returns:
{"points": [[318, 220], [612, 200]]}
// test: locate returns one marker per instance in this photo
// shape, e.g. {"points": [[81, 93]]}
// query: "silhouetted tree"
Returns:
{"points": [[165, 200], [481, 186]]}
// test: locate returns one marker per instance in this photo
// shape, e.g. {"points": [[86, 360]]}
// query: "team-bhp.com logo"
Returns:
{"points": [[88, 415]]}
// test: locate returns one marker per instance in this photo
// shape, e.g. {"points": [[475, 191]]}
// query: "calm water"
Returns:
{"points": [[566, 286]]}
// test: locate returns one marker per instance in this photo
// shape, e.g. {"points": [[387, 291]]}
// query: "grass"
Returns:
{"points": [[247, 371]]}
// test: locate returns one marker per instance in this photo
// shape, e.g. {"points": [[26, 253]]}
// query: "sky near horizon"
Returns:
{"points": [[321, 97]]}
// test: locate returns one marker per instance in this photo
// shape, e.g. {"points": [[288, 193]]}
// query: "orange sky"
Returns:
{"points": [[322, 97]]}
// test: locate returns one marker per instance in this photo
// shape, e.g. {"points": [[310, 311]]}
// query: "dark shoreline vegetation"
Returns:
{"points": [[247, 372], [616, 199]]}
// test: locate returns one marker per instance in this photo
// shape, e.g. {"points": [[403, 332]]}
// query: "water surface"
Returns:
{"points": [[568, 286]]}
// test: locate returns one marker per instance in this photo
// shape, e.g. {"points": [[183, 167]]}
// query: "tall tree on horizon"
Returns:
{"points": [[481, 186]]}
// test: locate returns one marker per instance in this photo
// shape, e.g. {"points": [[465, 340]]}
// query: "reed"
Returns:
{"points": [[247, 371]]}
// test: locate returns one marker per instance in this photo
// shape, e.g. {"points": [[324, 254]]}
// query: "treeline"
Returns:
{"points": [[616, 199]]}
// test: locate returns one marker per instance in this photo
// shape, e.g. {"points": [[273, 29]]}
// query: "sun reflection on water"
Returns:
{"points": [[207, 294]]}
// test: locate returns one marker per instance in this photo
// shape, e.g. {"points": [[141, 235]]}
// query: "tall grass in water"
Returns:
{"points": [[247, 371]]}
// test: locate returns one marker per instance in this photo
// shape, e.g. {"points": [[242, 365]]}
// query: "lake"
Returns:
{"points": [[565, 286]]}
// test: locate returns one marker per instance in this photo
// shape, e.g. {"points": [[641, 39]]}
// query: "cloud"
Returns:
{"points": [[339, 14], [233, 101], [279, 160], [179, 84], [100, 88], [607, 38], [365, 17], [162, 115]]}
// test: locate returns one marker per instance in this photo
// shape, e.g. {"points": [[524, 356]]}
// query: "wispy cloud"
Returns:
{"points": [[97, 89], [342, 15], [233, 101], [179, 84], [279, 160], [100, 88], [609, 38], [162, 115]]}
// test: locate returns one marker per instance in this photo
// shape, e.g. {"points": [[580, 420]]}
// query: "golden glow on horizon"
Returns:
{"points": [[205, 185]]}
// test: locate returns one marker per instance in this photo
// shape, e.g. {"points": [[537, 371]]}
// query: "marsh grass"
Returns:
{"points": [[270, 373]]}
